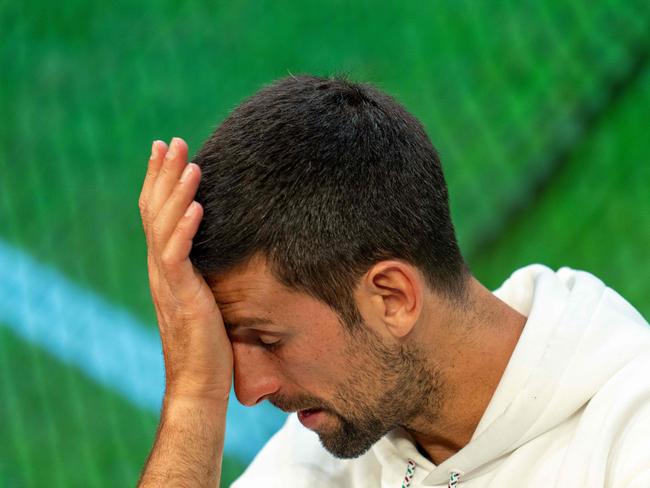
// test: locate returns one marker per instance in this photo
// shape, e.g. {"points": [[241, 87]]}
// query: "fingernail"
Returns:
{"points": [[190, 209], [172, 149], [153, 150], [187, 172]]}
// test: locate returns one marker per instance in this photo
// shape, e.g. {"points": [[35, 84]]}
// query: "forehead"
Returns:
{"points": [[246, 286], [251, 290], [254, 270]]}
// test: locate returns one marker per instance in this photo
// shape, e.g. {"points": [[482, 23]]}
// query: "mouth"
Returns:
{"points": [[311, 417]]}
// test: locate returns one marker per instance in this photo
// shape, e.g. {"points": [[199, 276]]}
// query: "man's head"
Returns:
{"points": [[319, 181], [357, 382]]}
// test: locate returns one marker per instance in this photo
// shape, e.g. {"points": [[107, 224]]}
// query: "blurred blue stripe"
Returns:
{"points": [[108, 344]]}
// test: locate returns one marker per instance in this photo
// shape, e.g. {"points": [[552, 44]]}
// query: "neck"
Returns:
{"points": [[472, 351]]}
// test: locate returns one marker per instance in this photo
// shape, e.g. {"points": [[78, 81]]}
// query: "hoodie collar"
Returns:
{"points": [[530, 398], [522, 394]]}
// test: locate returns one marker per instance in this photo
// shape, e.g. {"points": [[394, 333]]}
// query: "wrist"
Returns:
{"points": [[189, 390], [179, 405], [189, 442]]}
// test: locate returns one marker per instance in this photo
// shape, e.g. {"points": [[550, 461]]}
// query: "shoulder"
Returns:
{"points": [[630, 418], [623, 401], [613, 431], [295, 455]]}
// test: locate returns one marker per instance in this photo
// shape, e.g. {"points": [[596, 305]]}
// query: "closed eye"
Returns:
{"points": [[269, 343]]}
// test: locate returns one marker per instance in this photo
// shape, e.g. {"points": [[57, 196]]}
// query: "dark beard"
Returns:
{"points": [[407, 388], [352, 439], [388, 388]]}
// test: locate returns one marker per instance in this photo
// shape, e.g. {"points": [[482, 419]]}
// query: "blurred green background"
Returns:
{"points": [[540, 111]]}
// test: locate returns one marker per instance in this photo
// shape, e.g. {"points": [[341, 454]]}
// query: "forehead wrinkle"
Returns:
{"points": [[232, 292], [228, 296]]}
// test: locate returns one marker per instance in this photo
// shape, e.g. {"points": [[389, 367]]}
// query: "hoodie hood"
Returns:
{"points": [[578, 334]]}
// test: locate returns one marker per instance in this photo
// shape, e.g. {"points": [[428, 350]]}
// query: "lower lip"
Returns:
{"points": [[310, 418]]}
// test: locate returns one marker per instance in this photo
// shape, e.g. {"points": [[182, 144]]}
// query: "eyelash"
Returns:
{"points": [[269, 346]]}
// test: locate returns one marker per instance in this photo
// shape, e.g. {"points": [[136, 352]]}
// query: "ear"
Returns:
{"points": [[390, 297]]}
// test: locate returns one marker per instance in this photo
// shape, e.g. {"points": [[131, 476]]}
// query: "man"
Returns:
{"points": [[308, 251]]}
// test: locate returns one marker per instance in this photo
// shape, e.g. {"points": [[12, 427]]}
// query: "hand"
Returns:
{"points": [[196, 349]]}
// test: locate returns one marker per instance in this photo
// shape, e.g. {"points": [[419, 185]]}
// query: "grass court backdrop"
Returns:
{"points": [[540, 111]]}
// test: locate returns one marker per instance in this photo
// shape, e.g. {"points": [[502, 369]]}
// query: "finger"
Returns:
{"points": [[175, 206], [170, 172], [157, 287], [174, 259], [158, 150]]}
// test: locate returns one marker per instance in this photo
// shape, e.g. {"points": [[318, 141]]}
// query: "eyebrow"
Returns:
{"points": [[247, 322]]}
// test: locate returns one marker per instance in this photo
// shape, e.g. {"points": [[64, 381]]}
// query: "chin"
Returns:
{"points": [[346, 452], [348, 445]]}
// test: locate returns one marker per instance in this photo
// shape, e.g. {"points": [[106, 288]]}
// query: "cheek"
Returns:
{"points": [[316, 368], [252, 359]]}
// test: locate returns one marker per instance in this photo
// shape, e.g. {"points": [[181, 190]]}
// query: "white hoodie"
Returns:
{"points": [[572, 408]]}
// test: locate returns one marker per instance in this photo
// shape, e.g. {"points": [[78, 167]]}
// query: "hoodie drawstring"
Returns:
{"points": [[454, 479], [408, 477], [454, 476]]}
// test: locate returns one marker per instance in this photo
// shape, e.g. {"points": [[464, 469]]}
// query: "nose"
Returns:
{"points": [[255, 374]]}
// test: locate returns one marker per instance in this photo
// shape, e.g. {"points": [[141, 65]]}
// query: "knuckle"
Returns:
{"points": [[165, 171], [179, 230], [157, 231], [167, 259], [142, 205], [151, 176], [178, 191], [180, 235]]}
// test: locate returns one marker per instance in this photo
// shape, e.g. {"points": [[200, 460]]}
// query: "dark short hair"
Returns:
{"points": [[325, 177]]}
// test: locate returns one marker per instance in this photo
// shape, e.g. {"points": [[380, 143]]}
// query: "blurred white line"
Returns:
{"points": [[106, 343]]}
